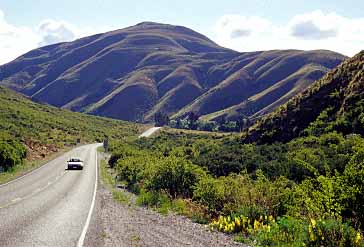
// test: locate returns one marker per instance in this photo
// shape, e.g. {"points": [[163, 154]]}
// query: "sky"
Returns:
{"points": [[237, 24]]}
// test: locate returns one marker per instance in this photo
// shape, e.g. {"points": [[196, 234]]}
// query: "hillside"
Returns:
{"points": [[44, 129], [333, 103], [133, 73]]}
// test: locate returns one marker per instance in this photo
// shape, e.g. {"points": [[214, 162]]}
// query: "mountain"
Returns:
{"points": [[135, 72], [333, 103]]}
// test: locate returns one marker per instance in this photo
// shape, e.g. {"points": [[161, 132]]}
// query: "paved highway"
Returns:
{"points": [[50, 206], [149, 132]]}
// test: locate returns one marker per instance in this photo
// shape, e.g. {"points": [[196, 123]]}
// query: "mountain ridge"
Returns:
{"points": [[333, 103], [135, 72]]}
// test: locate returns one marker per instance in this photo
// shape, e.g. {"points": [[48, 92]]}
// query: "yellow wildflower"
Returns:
{"points": [[256, 225], [313, 223], [237, 221], [312, 237], [358, 237]]}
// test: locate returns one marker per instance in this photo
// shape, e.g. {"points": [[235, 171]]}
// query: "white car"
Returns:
{"points": [[75, 163]]}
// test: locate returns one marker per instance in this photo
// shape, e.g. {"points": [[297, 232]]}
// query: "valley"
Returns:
{"points": [[142, 110]]}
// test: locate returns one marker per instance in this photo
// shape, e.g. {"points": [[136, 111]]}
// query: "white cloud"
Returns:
{"points": [[17, 40], [53, 32], [308, 31], [235, 26], [316, 25]]}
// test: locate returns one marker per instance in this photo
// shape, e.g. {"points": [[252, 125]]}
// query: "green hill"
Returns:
{"points": [[40, 130], [333, 103]]}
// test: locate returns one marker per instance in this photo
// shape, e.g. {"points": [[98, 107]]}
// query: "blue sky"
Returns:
{"points": [[241, 25]]}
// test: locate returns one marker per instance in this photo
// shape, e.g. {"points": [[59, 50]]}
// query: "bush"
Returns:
{"points": [[210, 192], [121, 152], [352, 182], [286, 231], [290, 231], [319, 198], [236, 192], [175, 175], [331, 232], [154, 199], [131, 168], [312, 177], [11, 154]]}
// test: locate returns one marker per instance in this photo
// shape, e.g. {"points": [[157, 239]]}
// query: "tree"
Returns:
{"points": [[161, 119], [193, 117], [242, 123]]}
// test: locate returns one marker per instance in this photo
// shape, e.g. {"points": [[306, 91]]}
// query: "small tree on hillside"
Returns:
{"points": [[192, 118], [161, 119], [242, 123]]}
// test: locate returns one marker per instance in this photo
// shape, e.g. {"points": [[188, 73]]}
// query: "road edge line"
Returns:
{"points": [[36, 169], [87, 223]]}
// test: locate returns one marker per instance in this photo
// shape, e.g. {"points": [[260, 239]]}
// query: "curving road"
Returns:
{"points": [[50, 206], [149, 132]]}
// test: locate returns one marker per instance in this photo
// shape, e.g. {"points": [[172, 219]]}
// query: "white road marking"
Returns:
{"points": [[27, 174], [85, 228], [16, 200], [36, 191]]}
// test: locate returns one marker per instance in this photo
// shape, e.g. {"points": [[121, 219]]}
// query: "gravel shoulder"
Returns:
{"points": [[125, 224]]}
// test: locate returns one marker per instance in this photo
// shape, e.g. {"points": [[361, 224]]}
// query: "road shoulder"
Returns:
{"points": [[124, 224]]}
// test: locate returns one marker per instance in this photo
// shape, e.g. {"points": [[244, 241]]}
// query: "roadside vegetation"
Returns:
{"points": [[108, 179], [30, 132], [307, 192], [193, 121]]}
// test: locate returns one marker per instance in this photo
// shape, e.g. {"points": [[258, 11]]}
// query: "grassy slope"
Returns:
{"points": [[266, 81], [339, 95], [25, 120], [46, 130]]}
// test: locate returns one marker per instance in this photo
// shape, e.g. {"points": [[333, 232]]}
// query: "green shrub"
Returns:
{"points": [[312, 177], [175, 175], [289, 231], [130, 168], [318, 198], [352, 184], [210, 192], [11, 154], [121, 152], [153, 199], [286, 231], [331, 232], [233, 193]]}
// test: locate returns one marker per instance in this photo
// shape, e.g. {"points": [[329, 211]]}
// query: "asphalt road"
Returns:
{"points": [[149, 132], [50, 206]]}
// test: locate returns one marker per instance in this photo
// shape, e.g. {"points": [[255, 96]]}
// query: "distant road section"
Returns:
{"points": [[149, 132]]}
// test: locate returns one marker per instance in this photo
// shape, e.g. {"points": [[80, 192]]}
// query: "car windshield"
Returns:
{"points": [[75, 160]]}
